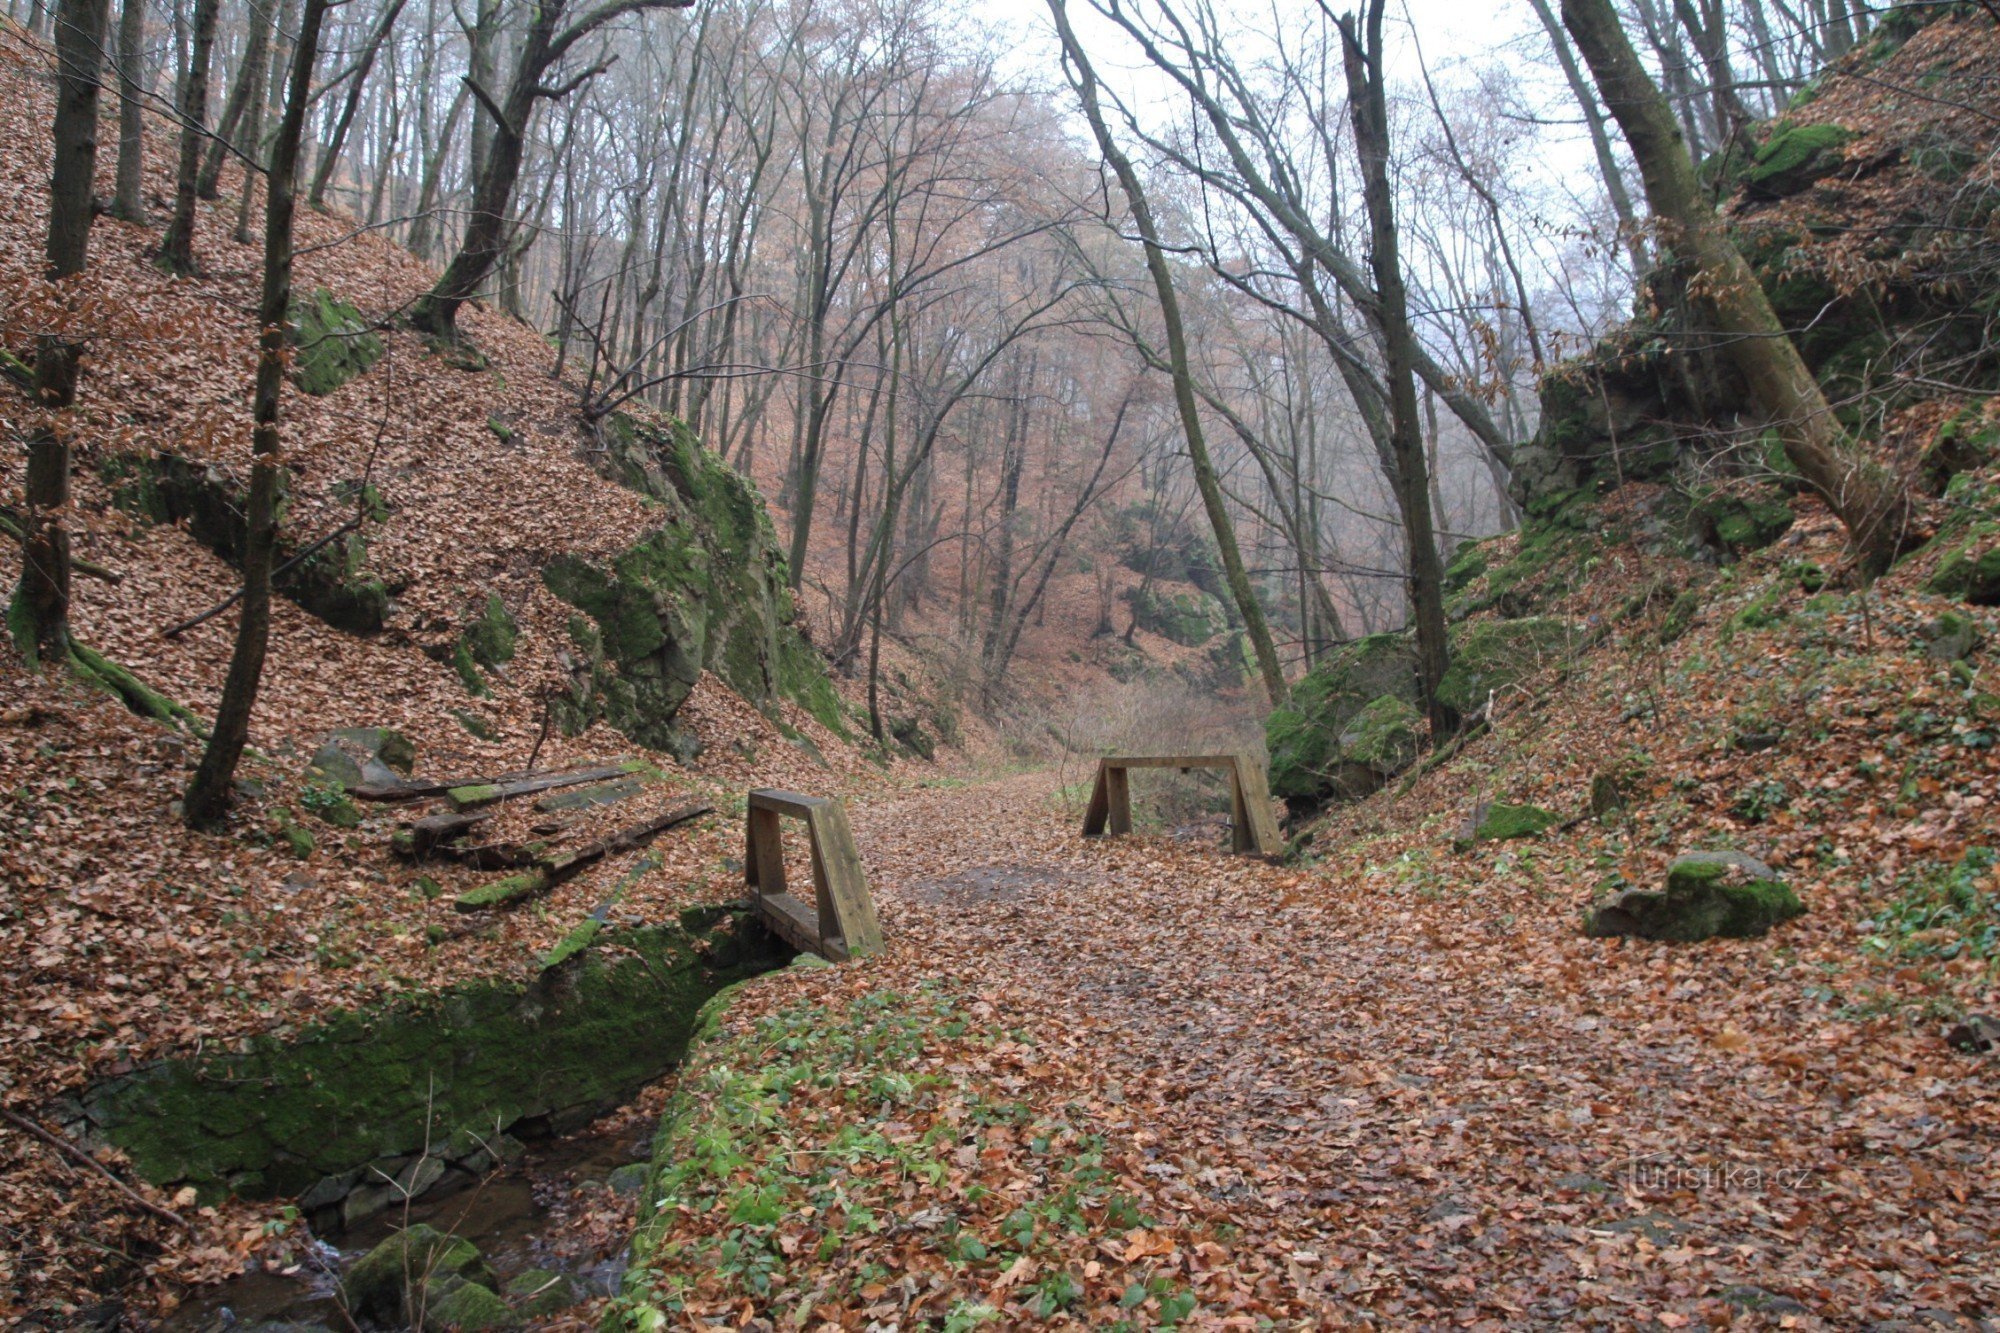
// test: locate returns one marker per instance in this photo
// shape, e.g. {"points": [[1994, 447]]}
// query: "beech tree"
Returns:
{"points": [[39, 613], [208, 793], [543, 47], [177, 249], [1871, 504], [1083, 78], [128, 201]]}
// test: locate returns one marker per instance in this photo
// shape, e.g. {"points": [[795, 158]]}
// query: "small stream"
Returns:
{"points": [[506, 1213]]}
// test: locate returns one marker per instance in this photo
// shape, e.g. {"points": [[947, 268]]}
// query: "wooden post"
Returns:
{"points": [[1252, 829], [841, 924]]}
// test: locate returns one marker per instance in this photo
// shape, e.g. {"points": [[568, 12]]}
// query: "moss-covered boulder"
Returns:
{"points": [[1970, 569], [1735, 523], [333, 583], [353, 757], [542, 1291], [1304, 737], [487, 640], [705, 591], [1499, 822], [332, 343], [1793, 157], [1491, 655], [468, 1307], [1708, 894], [1187, 618], [1951, 637], [391, 1283], [1963, 444]]}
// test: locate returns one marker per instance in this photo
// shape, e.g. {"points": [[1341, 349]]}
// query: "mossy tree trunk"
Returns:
{"points": [[39, 615], [208, 794], [1874, 508], [1368, 108], [1084, 79]]}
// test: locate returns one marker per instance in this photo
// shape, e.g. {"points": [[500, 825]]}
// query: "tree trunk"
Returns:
{"points": [[177, 249], [1368, 107], [39, 615], [128, 202], [1247, 605], [1874, 508], [209, 792], [330, 158], [245, 98]]}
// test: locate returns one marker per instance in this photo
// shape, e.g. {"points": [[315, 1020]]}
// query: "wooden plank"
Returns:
{"points": [[1170, 760], [837, 866], [1118, 798], [474, 795], [1256, 796], [570, 864], [431, 832], [763, 851], [1099, 809], [786, 802], [795, 923]]}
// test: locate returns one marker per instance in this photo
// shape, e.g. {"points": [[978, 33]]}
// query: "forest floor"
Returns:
{"points": [[1318, 1098]]}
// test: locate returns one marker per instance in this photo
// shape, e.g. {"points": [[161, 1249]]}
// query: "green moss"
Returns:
{"points": [[1970, 569], [1467, 564], [1680, 617], [1739, 523], [388, 1283], [1793, 157], [542, 1291], [468, 670], [478, 793], [504, 892], [1493, 655], [474, 723], [469, 1308], [333, 343], [1383, 736], [1504, 823], [1303, 737], [705, 591], [299, 841], [278, 1116], [1189, 619], [94, 668], [490, 639], [1708, 894]]}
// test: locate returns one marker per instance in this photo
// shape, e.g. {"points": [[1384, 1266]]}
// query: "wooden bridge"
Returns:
{"points": [[841, 922], [1252, 830]]}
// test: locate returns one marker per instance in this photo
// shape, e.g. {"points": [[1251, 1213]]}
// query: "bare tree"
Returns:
{"points": [[177, 249], [39, 614], [209, 792]]}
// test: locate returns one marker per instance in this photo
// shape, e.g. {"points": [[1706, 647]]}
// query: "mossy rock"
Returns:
{"points": [[490, 638], [1189, 619], [1680, 617], [333, 583], [1793, 158], [705, 591], [1383, 736], [1497, 822], [542, 1291], [297, 840], [469, 1307], [1708, 894], [353, 757], [333, 343], [1951, 637], [1971, 570], [1965, 443], [1303, 737], [390, 1283], [1491, 655], [1468, 562], [1736, 524], [474, 724]]}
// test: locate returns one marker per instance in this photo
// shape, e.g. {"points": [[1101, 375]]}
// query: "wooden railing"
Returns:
{"points": [[841, 922], [1252, 830]]}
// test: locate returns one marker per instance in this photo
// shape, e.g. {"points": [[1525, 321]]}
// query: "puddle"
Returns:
{"points": [[991, 884], [513, 1214]]}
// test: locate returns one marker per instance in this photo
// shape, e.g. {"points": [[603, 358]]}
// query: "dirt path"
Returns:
{"points": [[1432, 1107]]}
